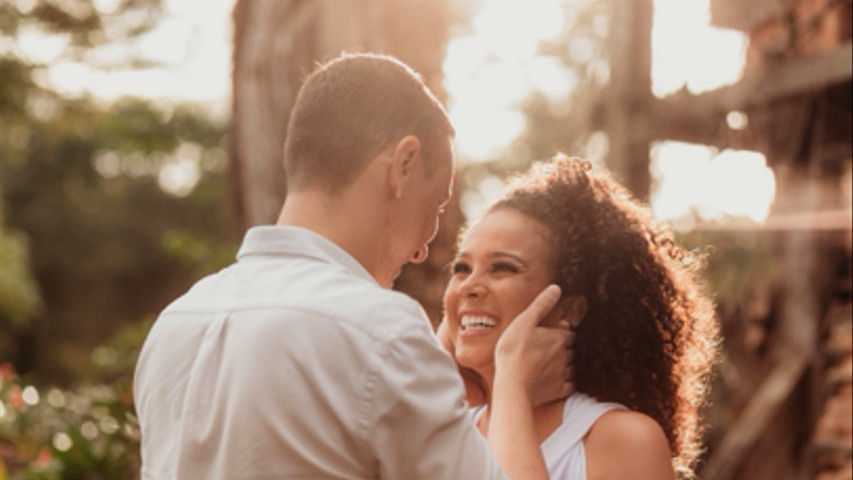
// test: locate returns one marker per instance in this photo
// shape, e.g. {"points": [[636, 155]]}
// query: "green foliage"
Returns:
{"points": [[21, 298], [81, 21], [736, 262], [85, 186], [202, 254], [95, 196], [88, 432]]}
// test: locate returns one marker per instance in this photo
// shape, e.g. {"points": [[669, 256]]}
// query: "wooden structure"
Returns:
{"points": [[792, 409]]}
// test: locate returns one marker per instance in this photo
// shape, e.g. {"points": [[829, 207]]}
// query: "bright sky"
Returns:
{"points": [[715, 184], [488, 70]]}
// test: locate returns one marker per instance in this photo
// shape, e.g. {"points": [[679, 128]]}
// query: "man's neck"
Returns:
{"points": [[346, 223]]}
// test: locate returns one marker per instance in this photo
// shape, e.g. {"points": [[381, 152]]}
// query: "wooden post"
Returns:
{"points": [[629, 95], [274, 43], [277, 43]]}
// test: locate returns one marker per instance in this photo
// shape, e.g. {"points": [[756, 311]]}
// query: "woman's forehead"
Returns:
{"points": [[507, 228]]}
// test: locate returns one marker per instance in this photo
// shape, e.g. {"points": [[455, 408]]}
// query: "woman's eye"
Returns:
{"points": [[459, 267], [504, 267]]}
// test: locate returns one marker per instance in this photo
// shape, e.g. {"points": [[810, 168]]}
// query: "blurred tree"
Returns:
{"points": [[84, 24], [120, 204], [276, 43], [567, 124], [21, 299], [572, 123]]}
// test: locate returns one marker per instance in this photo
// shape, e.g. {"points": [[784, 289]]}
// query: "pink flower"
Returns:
{"points": [[7, 370], [15, 397], [44, 457]]}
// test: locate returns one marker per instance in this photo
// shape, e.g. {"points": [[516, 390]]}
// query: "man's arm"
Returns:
{"points": [[420, 427]]}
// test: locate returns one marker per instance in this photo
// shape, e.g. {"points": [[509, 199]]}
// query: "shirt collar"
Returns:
{"points": [[284, 240]]}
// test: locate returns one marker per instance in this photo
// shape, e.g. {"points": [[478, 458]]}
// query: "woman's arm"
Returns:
{"points": [[624, 444]]}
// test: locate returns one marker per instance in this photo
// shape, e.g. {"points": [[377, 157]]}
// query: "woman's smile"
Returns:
{"points": [[501, 266], [474, 323]]}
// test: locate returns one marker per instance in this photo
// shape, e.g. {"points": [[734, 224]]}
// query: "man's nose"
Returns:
{"points": [[421, 254]]}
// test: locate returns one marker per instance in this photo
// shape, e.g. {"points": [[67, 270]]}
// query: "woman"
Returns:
{"points": [[645, 333]]}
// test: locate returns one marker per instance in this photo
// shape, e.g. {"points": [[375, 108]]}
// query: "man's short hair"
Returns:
{"points": [[350, 109]]}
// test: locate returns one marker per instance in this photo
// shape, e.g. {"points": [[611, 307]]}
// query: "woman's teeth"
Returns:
{"points": [[477, 321]]}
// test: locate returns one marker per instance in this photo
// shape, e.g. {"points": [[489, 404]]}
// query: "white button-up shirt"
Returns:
{"points": [[293, 363]]}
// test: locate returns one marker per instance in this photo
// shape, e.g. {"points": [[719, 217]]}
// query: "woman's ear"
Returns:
{"points": [[574, 309]]}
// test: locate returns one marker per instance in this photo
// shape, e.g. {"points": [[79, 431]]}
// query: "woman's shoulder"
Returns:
{"points": [[564, 445], [635, 439], [627, 426]]}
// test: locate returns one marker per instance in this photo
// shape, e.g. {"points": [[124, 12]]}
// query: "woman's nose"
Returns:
{"points": [[473, 286]]}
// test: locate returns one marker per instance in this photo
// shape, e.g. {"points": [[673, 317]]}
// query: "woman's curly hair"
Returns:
{"points": [[649, 338]]}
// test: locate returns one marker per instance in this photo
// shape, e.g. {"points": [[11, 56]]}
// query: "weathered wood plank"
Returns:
{"points": [[746, 16], [754, 420], [792, 77], [701, 118], [629, 94]]}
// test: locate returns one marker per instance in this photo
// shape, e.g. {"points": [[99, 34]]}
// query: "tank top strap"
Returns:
{"points": [[579, 414], [474, 413]]}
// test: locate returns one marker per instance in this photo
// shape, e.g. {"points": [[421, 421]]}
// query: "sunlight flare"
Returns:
{"points": [[697, 181], [687, 52]]}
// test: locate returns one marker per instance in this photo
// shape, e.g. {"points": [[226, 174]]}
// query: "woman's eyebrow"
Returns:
{"points": [[508, 255]]}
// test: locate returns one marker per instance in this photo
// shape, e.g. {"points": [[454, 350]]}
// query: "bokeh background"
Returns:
{"points": [[139, 138]]}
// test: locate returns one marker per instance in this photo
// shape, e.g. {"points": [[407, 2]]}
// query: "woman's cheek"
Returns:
{"points": [[518, 303]]}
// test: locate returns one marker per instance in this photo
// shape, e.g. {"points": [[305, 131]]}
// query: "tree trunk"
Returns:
{"points": [[630, 95], [276, 43]]}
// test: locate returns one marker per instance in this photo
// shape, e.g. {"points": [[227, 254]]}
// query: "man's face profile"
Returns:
{"points": [[435, 182]]}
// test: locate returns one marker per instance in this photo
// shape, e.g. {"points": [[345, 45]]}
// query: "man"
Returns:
{"points": [[298, 361]]}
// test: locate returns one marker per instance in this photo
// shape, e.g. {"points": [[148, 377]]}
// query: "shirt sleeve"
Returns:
{"points": [[419, 427]]}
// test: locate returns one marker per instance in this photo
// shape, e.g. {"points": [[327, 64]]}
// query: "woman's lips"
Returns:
{"points": [[476, 323]]}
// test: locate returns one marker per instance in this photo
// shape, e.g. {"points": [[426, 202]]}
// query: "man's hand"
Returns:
{"points": [[531, 367], [475, 387], [535, 356]]}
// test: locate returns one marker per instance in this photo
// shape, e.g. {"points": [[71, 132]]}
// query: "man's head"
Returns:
{"points": [[369, 154], [349, 110]]}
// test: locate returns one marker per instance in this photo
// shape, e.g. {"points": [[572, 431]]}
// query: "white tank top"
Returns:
{"points": [[563, 450]]}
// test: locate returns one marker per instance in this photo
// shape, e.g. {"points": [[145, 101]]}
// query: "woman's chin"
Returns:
{"points": [[474, 359]]}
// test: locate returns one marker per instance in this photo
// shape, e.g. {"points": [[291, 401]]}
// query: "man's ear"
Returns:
{"points": [[574, 308], [403, 160]]}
